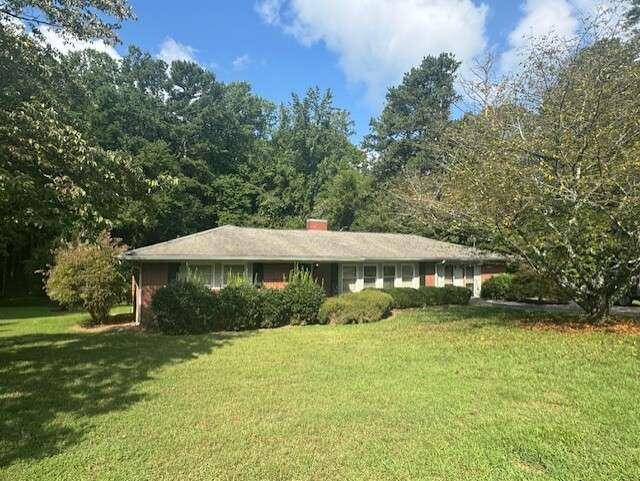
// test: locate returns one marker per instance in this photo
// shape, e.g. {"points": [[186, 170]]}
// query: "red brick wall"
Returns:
{"points": [[317, 224], [430, 275], [490, 270], [152, 277], [274, 275]]}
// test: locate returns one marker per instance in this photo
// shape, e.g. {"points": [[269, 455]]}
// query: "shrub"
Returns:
{"points": [[527, 285], [454, 295], [523, 286], [89, 276], [239, 307], [498, 287], [303, 297], [448, 295], [184, 307], [356, 308], [274, 308], [406, 297]]}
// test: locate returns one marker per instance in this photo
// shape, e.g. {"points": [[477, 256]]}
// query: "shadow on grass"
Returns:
{"points": [[43, 376], [15, 313]]}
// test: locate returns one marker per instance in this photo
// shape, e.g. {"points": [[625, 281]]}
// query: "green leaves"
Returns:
{"points": [[415, 111], [88, 276], [89, 19], [550, 174]]}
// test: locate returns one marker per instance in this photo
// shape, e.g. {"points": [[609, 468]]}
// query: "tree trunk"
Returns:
{"points": [[597, 306]]}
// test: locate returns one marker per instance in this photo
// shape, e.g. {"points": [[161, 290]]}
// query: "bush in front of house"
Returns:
{"points": [[303, 296], [239, 308], [89, 276], [523, 286], [406, 297], [184, 307], [529, 286], [447, 295], [498, 287], [274, 308], [356, 307]]}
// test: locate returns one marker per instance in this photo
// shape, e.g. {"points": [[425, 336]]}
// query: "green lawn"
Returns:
{"points": [[442, 394]]}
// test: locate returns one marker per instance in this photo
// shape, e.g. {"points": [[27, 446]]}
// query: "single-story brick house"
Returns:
{"points": [[341, 261]]}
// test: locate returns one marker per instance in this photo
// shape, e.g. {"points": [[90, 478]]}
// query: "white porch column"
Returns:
{"points": [[458, 275], [477, 280]]}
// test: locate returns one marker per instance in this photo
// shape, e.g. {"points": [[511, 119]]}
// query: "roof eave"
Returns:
{"points": [[202, 258]]}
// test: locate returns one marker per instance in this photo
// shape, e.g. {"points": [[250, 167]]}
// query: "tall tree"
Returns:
{"points": [[51, 178], [309, 145], [85, 20], [551, 175], [414, 113], [633, 14], [343, 198]]}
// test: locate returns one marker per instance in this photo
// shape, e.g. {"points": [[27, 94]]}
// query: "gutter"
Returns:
{"points": [[167, 258]]}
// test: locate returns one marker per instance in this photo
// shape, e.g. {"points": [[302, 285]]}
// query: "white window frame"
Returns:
{"points": [[375, 279], [196, 265], [465, 279], [400, 277], [382, 276], [459, 280], [344, 286], [245, 271]]}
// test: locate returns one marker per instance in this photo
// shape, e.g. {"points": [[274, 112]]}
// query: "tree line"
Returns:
{"points": [[541, 164], [151, 151]]}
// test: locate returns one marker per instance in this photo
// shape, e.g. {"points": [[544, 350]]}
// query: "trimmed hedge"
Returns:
{"points": [[406, 297], [184, 307], [523, 286], [448, 295], [498, 287], [239, 308], [356, 308], [274, 307], [187, 307]]}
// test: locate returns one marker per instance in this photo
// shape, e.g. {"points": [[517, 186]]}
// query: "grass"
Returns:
{"points": [[436, 394]]}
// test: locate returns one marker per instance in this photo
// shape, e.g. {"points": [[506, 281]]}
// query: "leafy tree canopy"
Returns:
{"points": [[414, 113]]}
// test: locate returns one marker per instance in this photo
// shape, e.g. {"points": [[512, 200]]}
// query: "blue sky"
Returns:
{"points": [[356, 48]]}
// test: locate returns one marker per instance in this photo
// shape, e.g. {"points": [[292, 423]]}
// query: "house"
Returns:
{"points": [[341, 261]]}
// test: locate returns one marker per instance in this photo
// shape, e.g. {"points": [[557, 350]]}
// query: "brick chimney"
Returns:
{"points": [[317, 224]]}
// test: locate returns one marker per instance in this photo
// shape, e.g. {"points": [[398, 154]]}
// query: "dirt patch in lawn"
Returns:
{"points": [[127, 326], [617, 327], [115, 323]]}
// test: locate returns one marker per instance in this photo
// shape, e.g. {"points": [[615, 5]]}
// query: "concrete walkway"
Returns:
{"points": [[571, 307]]}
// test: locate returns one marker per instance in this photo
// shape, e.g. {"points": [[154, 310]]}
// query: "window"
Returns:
{"points": [[349, 278], [370, 275], [468, 277], [448, 275], [232, 271], [203, 273], [407, 275], [388, 276]]}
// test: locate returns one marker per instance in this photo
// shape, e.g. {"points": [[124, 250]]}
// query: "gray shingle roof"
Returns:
{"points": [[243, 243]]}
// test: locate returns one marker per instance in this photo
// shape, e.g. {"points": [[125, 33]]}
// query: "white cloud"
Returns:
{"points": [[378, 40], [241, 62], [558, 18], [65, 43], [170, 50]]}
